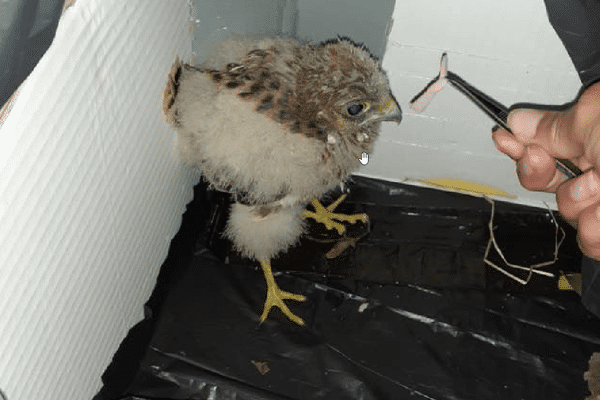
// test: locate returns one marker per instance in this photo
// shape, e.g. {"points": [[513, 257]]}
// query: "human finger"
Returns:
{"points": [[550, 129], [524, 122], [577, 194], [537, 171], [508, 144], [588, 232]]}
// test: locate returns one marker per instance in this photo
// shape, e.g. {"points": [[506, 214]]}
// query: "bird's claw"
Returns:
{"points": [[275, 296], [327, 217]]}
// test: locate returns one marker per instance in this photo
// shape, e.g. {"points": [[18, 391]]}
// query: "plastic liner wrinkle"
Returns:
{"points": [[186, 360], [346, 295], [424, 289], [438, 326], [200, 386], [587, 338], [387, 378], [398, 192]]}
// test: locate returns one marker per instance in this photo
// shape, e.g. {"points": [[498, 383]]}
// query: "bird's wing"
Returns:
{"points": [[232, 130]]}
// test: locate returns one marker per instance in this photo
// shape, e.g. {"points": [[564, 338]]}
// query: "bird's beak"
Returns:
{"points": [[390, 111]]}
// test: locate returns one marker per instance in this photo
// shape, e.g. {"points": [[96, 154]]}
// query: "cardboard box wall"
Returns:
{"points": [[91, 194]]}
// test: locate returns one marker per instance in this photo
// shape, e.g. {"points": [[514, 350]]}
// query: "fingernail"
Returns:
{"points": [[585, 187]]}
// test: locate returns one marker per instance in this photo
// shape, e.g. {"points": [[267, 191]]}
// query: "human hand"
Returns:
{"points": [[540, 137]]}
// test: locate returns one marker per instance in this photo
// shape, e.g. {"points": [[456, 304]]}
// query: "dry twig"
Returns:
{"points": [[533, 269]]}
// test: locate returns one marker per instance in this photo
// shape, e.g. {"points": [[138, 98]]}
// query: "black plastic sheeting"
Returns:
{"points": [[415, 315]]}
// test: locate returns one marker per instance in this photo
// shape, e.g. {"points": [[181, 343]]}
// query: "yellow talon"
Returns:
{"points": [[324, 215], [327, 217], [275, 296]]}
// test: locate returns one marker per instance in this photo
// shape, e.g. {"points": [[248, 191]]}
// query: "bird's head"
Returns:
{"points": [[344, 95], [334, 92]]}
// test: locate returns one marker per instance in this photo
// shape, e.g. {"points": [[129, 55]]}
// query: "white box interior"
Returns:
{"points": [[91, 192], [506, 49]]}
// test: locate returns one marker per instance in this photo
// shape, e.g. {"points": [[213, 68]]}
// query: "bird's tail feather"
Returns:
{"points": [[170, 92]]}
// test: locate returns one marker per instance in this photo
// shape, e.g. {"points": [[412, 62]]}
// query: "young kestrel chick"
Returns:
{"points": [[278, 123]]}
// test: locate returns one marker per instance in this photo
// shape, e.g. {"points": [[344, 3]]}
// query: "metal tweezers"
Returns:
{"points": [[498, 112]]}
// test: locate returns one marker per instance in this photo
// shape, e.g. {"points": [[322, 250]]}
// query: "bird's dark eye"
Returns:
{"points": [[354, 109]]}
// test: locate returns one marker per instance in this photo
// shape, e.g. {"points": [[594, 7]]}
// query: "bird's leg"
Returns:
{"points": [[327, 217], [275, 296]]}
